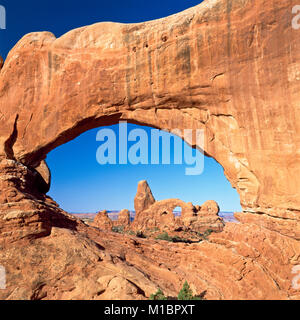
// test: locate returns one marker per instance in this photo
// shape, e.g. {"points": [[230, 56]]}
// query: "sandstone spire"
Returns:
{"points": [[144, 197]]}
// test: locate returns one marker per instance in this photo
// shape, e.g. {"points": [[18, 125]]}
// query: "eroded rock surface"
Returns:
{"points": [[204, 68]]}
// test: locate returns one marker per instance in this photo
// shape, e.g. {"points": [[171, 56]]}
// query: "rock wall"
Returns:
{"points": [[204, 68]]}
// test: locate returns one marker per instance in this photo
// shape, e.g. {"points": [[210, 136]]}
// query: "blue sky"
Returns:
{"points": [[79, 183]]}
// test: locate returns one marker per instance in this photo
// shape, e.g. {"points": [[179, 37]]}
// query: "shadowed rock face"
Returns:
{"points": [[205, 68]]}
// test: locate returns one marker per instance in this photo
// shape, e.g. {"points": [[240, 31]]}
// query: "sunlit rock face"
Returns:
{"points": [[103, 221], [204, 68], [151, 214]]}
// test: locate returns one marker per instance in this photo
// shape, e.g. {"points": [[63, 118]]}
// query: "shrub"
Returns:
{"points": [[164, 236], [207, 233], [186, 293], [178, 239], [118, 229], [159, 295]]}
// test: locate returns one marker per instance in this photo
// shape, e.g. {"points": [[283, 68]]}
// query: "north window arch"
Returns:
{"points": [[81, 185]]}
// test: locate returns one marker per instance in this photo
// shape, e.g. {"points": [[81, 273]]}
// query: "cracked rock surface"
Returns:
{"points": [[204, 68]]}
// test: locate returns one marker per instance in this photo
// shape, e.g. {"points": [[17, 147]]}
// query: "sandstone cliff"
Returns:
{"points": [[206, 68]]}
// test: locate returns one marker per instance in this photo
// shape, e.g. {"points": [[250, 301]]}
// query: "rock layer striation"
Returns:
{"points": [[204, 68]]}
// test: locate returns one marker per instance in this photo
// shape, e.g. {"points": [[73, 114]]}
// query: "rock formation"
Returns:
{"points": [[144, 197], [159, 214], [206, 217], [102, 221], [204, 68], [123, 219], [151, 214]]}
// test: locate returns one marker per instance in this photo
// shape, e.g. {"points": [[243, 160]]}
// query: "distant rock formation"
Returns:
{"points": [[102, 221], [123, 220], [1, 62], [159, 214], [144, 197]]}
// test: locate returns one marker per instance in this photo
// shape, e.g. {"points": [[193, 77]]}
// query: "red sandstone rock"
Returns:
{"points": [[210, 207], [160, 215], [102, 221], [205, 68], [123, 219], [170, 78], [144, 197]]}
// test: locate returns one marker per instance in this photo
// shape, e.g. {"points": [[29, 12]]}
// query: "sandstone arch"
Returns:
{"points": [[202, 68], [54, 89], [177, 210], [159, 215]]}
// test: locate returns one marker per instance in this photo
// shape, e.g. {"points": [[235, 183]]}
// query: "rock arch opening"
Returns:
{"points": [[81, 185], [177, 211]]}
